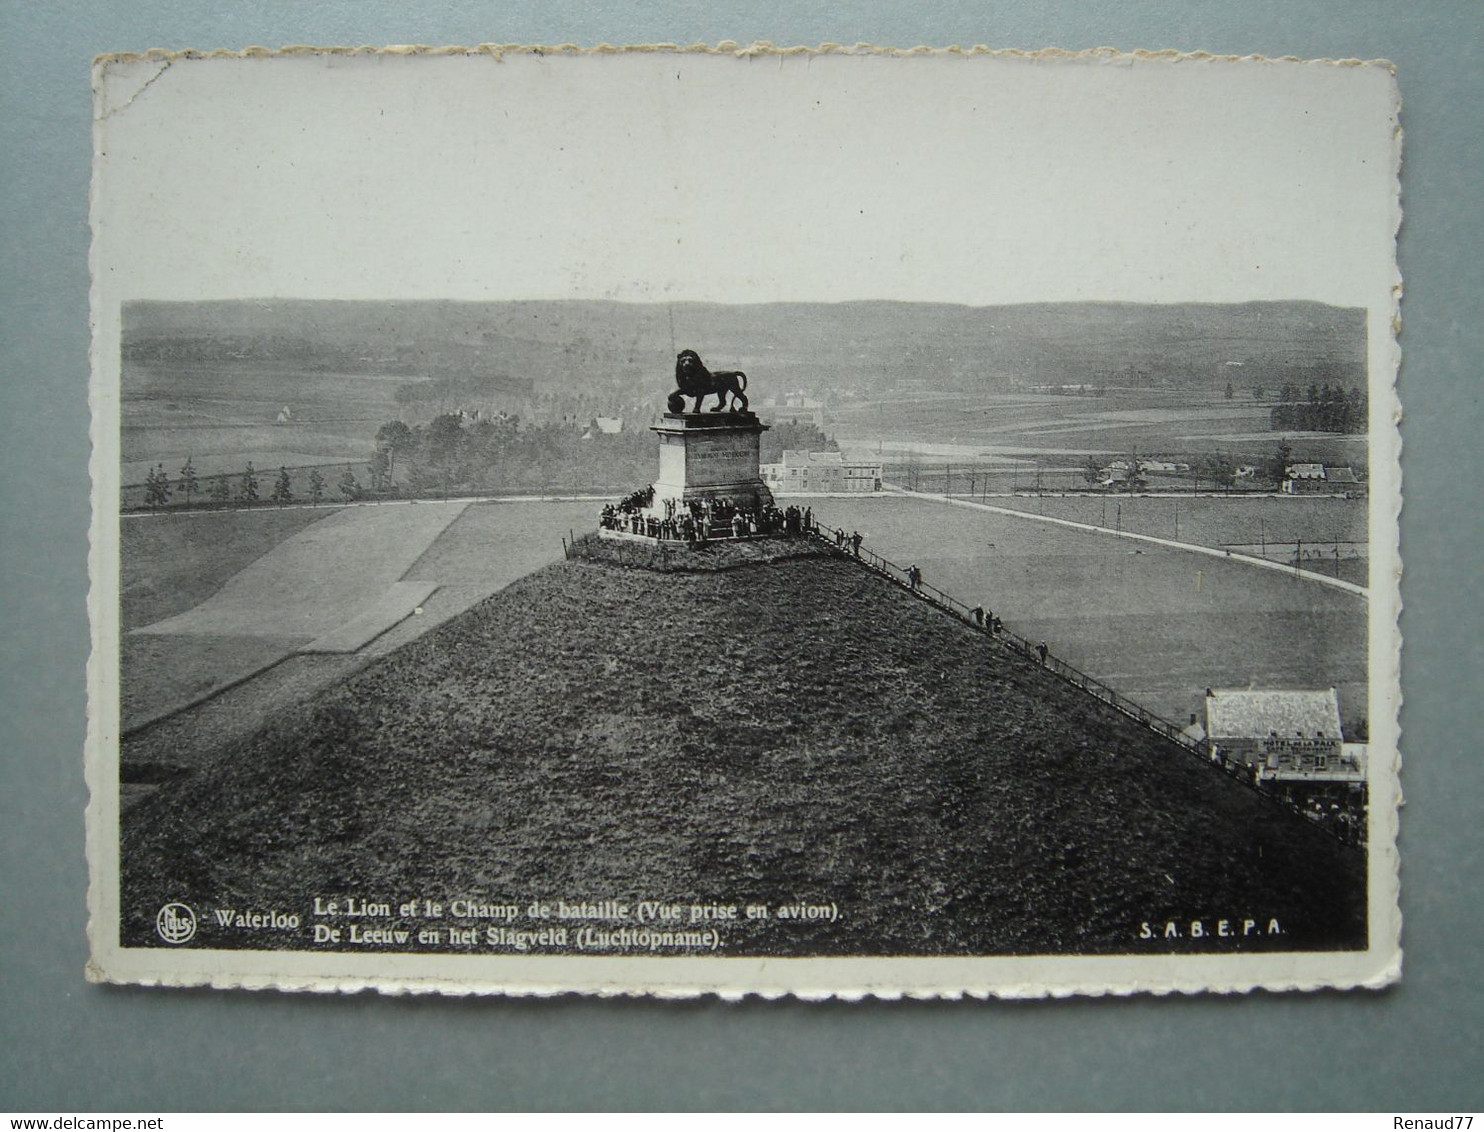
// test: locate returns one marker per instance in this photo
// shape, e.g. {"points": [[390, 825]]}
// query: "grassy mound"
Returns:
{"points": [[703, 558], [797, 731]]}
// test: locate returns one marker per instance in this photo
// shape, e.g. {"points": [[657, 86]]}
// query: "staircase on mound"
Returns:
{"points": [[839, 543]]}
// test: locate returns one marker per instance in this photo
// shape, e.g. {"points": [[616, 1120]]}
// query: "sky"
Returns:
{"points": [[642, 177]]}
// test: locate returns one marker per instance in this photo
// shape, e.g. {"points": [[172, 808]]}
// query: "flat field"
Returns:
{"points": [[1067, 429], [1219, 522], [325, 574], [171, 563], [1065, 422], [1324, 534], [282, 580], [1159, 625], [223, 594], [222, 416]]}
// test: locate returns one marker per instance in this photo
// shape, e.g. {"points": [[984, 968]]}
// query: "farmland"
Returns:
{"points": [[1159, 625], [1215, 522], [222, 416], [1061, 431], [309, 579], [1328, 532], [1035, 383], [171, 563], [795, 731], [323, 575], [1053, 424], [222, 594]]}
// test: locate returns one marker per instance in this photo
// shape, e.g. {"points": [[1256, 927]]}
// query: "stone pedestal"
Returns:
{"points": [[710, 456]]}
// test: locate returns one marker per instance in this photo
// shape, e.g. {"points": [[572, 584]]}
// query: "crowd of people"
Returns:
{"points": [[701, 520], [634, 501], [697, 521]]}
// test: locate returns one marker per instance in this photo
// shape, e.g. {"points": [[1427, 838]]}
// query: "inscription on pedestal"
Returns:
{"points": [[710, 455]]}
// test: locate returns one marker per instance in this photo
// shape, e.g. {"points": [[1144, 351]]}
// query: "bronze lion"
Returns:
{"points": [[693, 379]]}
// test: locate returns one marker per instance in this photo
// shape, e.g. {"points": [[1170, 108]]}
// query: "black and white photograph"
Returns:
{"points": [[744, 521]]}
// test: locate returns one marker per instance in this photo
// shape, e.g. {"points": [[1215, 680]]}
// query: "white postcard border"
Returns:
{"points": [[731, 978]]}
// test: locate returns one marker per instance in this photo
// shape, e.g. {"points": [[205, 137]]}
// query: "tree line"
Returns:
{"points": [[456, 453], [1320, 408], [243, 487], [505, 453]]}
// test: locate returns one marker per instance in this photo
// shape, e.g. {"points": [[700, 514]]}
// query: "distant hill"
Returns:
{"points": [[860, 346], [799, 731]]}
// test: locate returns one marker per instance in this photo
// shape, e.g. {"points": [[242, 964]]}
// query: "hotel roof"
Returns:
{"points": [[1257, 714]]}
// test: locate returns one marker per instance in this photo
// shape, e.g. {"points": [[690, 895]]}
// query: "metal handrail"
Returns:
{"points": [[843, 544]]}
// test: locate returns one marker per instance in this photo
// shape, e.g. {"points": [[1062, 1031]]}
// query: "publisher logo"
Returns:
{"points": [[176, 923]]}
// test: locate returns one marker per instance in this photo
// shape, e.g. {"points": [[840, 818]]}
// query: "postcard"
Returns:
{"points": [[741, 520]]}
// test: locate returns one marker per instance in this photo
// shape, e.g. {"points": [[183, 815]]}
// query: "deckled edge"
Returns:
{"points": [[94, 735], [884, 992], [1392, 408], [1385, 976], [758, 48]]}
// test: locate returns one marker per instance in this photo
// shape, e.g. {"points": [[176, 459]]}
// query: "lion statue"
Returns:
{"points": [[693, 379]]}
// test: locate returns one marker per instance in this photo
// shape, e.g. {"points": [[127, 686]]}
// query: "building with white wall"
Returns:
{"points": [[821, 473]]}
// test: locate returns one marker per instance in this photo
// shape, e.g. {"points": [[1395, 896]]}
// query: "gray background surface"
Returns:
{"points": [[65, 1045]]}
